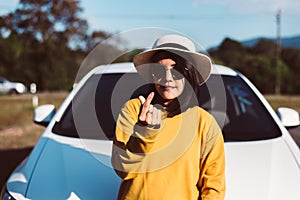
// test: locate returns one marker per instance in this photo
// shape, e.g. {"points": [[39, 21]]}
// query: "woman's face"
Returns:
{"points": [[168, 86]]}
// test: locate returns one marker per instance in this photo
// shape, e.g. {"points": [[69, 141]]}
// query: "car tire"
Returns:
{"points": [[13, 92]]}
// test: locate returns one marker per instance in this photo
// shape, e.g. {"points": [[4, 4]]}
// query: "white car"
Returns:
{"points": [[8, 87], [72, 158]]}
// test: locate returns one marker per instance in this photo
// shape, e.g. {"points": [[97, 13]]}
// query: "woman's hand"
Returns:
{"points": [[149, 114]]}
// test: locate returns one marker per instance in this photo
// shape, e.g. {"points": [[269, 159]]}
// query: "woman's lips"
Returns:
{"points": [[167, 88]]}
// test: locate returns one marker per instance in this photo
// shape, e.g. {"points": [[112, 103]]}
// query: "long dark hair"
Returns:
{"points": [[189, 96]]}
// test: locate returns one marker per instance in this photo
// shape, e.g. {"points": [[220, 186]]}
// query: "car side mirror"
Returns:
{"points": [[43, 114], [289, 117]]}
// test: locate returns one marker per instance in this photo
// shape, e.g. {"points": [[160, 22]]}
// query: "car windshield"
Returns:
{"points": [[2, 80], [94, 109]]}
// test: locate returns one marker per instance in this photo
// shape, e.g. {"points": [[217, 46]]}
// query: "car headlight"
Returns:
{"points": [[20, 88], [5, 195]]}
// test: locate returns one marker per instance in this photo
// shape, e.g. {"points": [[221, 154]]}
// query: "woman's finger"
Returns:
{"points": [[149, 99], [146, 105], [157, 116], [154, 117], [142, 116], [142, 99]]}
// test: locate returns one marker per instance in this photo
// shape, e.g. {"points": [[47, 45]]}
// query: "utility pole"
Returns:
{"points": [[278, 53]]}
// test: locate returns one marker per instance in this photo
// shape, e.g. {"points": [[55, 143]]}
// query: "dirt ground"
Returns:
{"points": [[9, 159]]}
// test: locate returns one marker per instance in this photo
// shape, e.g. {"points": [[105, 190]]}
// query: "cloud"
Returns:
{"points": [[8, 6], [253, 6]]}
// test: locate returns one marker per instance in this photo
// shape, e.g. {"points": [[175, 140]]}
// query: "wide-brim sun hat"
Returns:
{"points": [[175, 44]]}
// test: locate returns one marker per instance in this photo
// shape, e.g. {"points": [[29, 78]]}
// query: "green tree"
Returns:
{"points": [[291, 57], [264, 47], [39, 41], [257, 63], [230, 52], [41, 20]]}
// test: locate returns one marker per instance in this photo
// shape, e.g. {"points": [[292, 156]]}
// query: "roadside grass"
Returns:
{"points": [[277, 101], [18, 131]]}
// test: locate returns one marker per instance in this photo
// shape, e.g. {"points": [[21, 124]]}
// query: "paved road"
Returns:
{"points": [[11, 158], [295, 133]]}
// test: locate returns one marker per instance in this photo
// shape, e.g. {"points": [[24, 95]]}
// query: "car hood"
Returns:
{"points": [[263, 170], [68, 170]]}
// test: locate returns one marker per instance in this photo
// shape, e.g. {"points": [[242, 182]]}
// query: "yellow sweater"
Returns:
{"points": [[182, 159]]}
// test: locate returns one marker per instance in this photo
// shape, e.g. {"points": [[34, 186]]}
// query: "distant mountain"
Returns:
{"points": [[293, 42]]}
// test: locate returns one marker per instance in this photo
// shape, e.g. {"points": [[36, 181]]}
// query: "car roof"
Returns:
{"points": [[128, 67]]}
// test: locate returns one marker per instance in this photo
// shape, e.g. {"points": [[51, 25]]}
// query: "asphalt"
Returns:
{"points": [[295, 133], [10, 159]]}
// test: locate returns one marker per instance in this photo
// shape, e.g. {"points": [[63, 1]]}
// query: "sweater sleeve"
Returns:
{"points": [[132, 142], [212, 170]]}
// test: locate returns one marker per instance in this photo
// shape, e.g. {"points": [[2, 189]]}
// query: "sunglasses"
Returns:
{"points": [[159, 72]]}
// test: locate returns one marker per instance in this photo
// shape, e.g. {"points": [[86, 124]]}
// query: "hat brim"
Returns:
{"points": [[201, 61]]}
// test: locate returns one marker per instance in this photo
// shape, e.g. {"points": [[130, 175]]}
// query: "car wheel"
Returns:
{"points": [[13, 92]]}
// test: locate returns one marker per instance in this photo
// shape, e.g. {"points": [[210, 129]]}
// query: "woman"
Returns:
{"points": [[166, 146]]}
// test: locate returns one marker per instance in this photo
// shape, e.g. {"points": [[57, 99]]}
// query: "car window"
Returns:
{"points": [[237, 109], [98, 120], [244, 117]]}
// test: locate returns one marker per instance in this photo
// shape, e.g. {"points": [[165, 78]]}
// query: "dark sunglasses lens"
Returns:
{"points": [[176, 74], [159, 71]]}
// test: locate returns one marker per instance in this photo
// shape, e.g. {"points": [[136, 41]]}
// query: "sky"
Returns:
{"points": [[208, 22]]}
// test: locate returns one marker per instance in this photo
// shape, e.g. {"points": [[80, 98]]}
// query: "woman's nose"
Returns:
{"points": [[169, 76]]}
